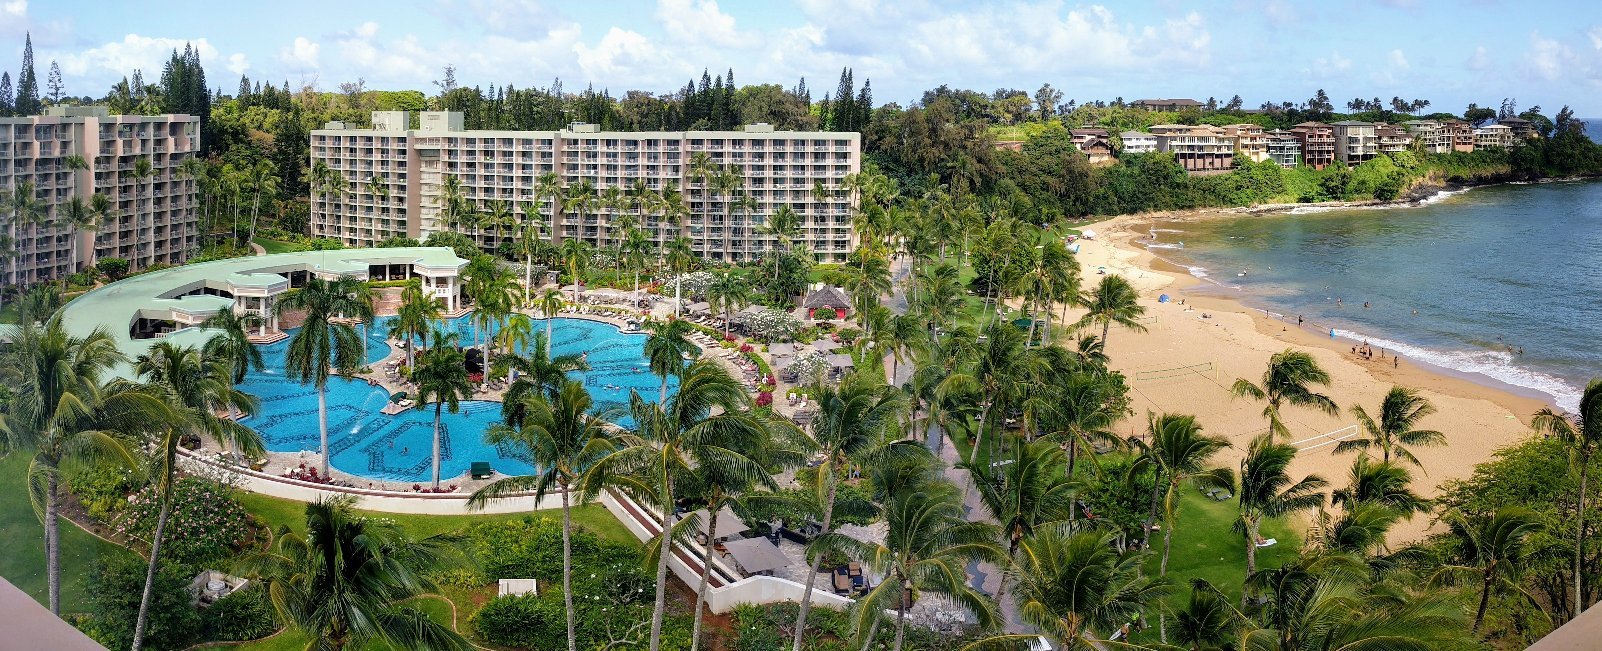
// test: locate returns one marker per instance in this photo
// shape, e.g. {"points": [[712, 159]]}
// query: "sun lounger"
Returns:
{"points": [[842, 584]]}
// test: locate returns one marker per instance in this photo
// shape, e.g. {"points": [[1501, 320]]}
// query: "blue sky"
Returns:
{"points": [[1546, 53]]}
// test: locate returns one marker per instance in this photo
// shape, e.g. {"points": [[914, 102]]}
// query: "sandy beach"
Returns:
{"points": [[1185, 363]]}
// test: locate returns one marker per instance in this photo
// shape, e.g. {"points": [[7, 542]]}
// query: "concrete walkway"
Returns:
{"points": [[256, 249]]}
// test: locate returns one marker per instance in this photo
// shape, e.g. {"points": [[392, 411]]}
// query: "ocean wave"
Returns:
{"points": [[1156, 245], [1199, 272], [1308, 210], [1165, 230], [1438, 197], [1442, 196], [1494, 364]]}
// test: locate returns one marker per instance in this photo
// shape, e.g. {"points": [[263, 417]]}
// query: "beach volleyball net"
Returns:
{"points": [[1326, 439], [1206, 370]]}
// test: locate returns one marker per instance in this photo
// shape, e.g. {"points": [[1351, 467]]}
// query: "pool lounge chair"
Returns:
{"points": [[481, 470]]}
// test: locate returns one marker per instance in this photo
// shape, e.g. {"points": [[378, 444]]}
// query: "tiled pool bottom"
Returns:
{"points": [[367, 443]]}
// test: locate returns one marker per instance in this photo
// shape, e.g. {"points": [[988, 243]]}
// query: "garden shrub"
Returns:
{"points": [[243, 615], [115, 590], [206, 525], [103, 488]]}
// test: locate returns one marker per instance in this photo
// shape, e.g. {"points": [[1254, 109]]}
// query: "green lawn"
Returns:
{"points": [[278, 512], [1204, 546], [22, 538], [276, 246]]}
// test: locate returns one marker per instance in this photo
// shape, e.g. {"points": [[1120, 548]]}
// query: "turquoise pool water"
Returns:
{"points": [[367, 443]]}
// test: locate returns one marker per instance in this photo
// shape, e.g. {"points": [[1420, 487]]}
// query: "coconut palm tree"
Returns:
{"points": [[856, 423], [576, 255], [867, 282], [416, 315], [528, 239], [1267, 491], [197, 384], [636, 249], [1178, 451], [441, 377], [1306, 606], [263, 179], [378, 186], [671, 438], [1113, 300], [728, 293], [679, 258], [1399, 413], [497, 218], [1207, 621], [516, 334], [1382, 484], [1081, 415], [66, 409], [565, 441], [1493, 549], [581, 198], [1076, 589], [537, 372], [1581, 434], [549, 304], [232, 341], [27, 212], [666, 348], [346, 580], [1026, 494], [78, 215], [141, 174], [494, 295], [1288, 380], [321, 344], [926, 550]]}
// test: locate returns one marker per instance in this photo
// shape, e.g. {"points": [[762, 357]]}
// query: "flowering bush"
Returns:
{"points": [[771, 324], [745, 348], [764, 399], [206, 523], [809, 367], [693, 284]]}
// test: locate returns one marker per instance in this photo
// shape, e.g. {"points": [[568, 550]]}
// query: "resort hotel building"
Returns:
{"points": [[154, 217], [395, 180]]}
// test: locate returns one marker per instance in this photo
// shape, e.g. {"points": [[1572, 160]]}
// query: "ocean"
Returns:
{"points": [[1501, 284]]}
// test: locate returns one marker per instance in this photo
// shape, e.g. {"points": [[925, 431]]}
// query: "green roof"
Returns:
{"points": [[116, 306]]}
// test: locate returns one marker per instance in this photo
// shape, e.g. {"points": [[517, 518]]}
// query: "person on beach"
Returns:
{"points": [[1298, 320]]}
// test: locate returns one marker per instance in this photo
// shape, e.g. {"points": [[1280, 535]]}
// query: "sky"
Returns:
{"points": [[1451, 53]]}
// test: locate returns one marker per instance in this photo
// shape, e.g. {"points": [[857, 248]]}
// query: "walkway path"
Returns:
{"points": [[257, 249]]}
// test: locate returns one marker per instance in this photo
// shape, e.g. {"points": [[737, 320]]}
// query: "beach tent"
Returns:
{"points": [[1162, 299], [756, 555]]}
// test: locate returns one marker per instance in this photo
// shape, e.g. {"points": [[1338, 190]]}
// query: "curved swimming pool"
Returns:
{"points": [[366, 443]]}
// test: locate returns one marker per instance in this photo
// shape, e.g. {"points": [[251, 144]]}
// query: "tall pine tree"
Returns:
{"points": [[7, 101], [54, 85], [27, 102]]}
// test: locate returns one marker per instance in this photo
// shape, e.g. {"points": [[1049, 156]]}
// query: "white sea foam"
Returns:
{"points": [[1157, 245], [1166, 230], [1438, 197], [1308, 210], [1442, 196], [1494, 364], [1199, 272]]}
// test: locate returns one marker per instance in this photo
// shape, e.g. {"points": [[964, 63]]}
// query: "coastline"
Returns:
{"points": [[1185, 363]]}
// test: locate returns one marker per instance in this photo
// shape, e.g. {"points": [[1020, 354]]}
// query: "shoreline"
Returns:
{"points": [[1193, 351]]}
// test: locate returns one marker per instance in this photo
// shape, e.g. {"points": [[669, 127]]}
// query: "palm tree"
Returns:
{"points": [[441, 377], [856, 424], [564, 441], [581, 198], [417, 313], [1289, 379], [1024, 495], [27, 211], [728, 293], [679, 259], [1382, 484], [926, 550], [263, 178], [1267, 491], [672, 437], [576, 255], [528, 239], [1076, 589], [494, 295], [141, 174], [497, 217], [1494, 548], [1112, 301], [378, 186], [516, 334], [549, 305], [1207, 621], [1308, 607], [344, 582], [635, 249], [78, 215], [1580, 433], [232, 341], [867, 282], [666, 348], [1178, 451], [1081, 415], [1400, 411], [321, 343], [536, 373], [198, 384], [64, 410]]}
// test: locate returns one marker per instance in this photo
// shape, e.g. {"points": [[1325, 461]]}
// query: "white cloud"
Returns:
{"points": [[1479, 60], [368, 29], [699, 21], [238, 64], [620, 53], [301, 54], [14, 8], [1547, 57], [1595, 34], [1331, 66], [147, 53], [1399, 61]]}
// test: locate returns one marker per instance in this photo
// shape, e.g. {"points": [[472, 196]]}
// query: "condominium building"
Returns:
{"points": [[1249, 141], [1460, 134], [1494, 135], [154, 217], [1430, 135], [1284, 148], [1355, 141], [1198, 148], [1392, 139], [1318, 143], [1522, 128], [508, 174], [1095, 144], [1138, 142]]}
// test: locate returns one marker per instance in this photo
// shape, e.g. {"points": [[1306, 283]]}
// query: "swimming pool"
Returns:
{"points": [[366, 443]]}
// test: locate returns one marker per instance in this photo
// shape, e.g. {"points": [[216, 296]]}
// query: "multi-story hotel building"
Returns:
{"points": [[1460, 134], [1199, 148], [1355, 141], [1430, 135], [1392, 139], [1138, 142], [1318, 143], [1284, 148], [154, 218], [1249, 141], [1494, 135], [395, 181]]}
